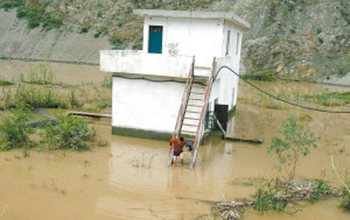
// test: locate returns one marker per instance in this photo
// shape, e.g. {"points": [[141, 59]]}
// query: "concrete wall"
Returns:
{"points": [[225, 87], [146, 105], [235, 43], [202, 38], [137, 62]]}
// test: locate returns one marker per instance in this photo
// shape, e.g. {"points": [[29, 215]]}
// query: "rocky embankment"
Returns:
{"points": [[20, 42]]}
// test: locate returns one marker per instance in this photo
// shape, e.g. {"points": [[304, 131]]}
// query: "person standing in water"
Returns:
{"points": [[177, 144]]}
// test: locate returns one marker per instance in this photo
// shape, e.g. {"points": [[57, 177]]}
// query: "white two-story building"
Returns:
{"points": [[169, 86]]}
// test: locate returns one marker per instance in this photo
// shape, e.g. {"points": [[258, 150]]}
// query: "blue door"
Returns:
{"points": [[155, 40]]}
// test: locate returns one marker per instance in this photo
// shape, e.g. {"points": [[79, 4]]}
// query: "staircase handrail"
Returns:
{"points": [[200, 128], [184, 102]]}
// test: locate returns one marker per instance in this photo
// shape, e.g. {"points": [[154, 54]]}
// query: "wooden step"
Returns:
{"points": [[197, 93], [196, 99], [192, 133], [192, 105], [194, 112], [192, 118], [190, 124]]}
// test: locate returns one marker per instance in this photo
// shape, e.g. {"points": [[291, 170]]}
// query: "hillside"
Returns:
{"points": [[294, 38]]}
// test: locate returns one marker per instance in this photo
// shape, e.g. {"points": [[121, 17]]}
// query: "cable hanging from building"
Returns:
{"points": [[278, 98]]}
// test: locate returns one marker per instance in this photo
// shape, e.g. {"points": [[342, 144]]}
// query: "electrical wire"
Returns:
{"points": [[278, 98]]}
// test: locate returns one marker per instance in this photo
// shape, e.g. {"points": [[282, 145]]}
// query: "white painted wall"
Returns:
{"points": [[236, 36], [138, 62], [142, 104], [226, 85], [202, 38]]}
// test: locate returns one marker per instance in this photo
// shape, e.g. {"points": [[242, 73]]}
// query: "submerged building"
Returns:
{"points": [[170, 86]]}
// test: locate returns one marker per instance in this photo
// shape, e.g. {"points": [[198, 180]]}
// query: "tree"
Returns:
{"points": [[296, 142]]}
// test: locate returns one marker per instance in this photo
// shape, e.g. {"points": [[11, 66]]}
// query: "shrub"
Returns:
{"points": [[107, 82], [9, 4], [71, 133], [296, 143], [40, 75], [117, 41], [331, 98], [49, 22], [342, 65], [13, 131], [37, 98], [6, 99], [268, 197], [345, 202], [73, 100], [34, 12], [259, 75], [321, 188], [6, 83]]}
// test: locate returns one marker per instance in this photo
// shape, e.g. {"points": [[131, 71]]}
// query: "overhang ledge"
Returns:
{"points": [[228, 16]]}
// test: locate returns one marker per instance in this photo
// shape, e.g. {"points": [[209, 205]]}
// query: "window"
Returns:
{"points": [[228, 43], [237, 44]]}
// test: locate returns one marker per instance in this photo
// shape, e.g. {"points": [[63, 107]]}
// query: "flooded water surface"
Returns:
{"points": [[130, 179]]}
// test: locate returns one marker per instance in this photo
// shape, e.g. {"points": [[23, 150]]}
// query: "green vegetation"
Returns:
{"points": [[276, 195], [318, 30], [71, 133], [13, 131], [6, 83], [344, 12], [321, 188], [296, 143], [267, 199], [9, 4], [35, 12], [31, 97], [342, 65], [40, 75], [36, 98], [331, 99], [345, 202], [107, 82], [259, 75], [73, 101]]}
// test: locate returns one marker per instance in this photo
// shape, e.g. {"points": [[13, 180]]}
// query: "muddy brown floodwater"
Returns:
{"points": [[129, 179]]}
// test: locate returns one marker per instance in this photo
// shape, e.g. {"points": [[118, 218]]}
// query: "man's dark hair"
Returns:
{"points": [[181, 138]]}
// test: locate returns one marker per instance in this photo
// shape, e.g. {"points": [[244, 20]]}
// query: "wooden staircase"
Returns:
{"points": [[193, 111], [191, 118]]}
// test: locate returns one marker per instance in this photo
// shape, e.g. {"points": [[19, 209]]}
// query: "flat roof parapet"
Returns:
{"points": [[229, 16]]}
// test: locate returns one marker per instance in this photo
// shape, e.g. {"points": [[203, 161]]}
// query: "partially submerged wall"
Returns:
{"points": [[145, 108]]}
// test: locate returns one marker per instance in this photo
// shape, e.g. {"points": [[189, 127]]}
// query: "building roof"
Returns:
{"points": [[229, 16]]}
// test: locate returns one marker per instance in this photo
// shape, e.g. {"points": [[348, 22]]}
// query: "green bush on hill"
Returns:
{"points": [[35, 13], [259, 75]]}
